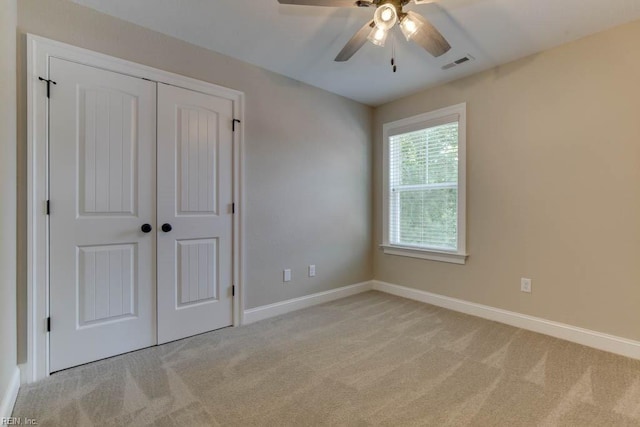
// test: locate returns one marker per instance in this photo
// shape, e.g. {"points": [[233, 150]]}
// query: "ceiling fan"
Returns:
{"points": [[388, 13]]}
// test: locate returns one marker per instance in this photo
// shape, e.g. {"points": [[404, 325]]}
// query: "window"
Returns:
{"points": [[424, 186]]}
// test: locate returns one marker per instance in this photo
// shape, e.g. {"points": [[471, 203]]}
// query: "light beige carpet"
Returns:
{"points": [[371, 359]]}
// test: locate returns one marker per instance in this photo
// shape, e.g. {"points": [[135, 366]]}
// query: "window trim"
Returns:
{"points": [[410, 124]]}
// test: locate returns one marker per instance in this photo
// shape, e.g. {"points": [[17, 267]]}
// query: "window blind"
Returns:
{"points": [[423, 187]]}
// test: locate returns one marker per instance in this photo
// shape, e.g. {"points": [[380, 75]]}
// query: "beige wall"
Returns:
{"points": [[553, 186], [8, 364], [308, 155]]}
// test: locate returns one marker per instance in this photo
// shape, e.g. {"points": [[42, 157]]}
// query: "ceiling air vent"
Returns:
{"points": [[458, 62]]}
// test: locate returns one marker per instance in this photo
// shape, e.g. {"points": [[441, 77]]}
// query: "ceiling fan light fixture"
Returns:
{"points": [[386, 16], [409, 25], [378, 36]]}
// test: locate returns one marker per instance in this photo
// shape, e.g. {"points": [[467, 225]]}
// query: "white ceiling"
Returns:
{"points": [[302, 41]]}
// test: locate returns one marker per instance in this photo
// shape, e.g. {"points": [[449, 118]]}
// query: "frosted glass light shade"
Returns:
{"points": [[409, 25], [385, 17], [378, 36]]}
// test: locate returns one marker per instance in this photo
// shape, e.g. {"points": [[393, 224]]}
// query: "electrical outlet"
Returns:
{"points": [[525, 285], [312, 270], [286, 275]]}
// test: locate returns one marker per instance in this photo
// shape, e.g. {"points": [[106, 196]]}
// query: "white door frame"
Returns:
{"points": [[39, 50]]}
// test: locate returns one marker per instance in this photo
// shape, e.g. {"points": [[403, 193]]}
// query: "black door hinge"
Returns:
{"points": [[48, 85], [233, 290], [48, 324], [233, 208], [48, 208], [233, 125]]}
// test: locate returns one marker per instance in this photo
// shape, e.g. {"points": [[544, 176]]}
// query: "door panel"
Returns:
{"points": [[102, 189], [107, 171], [197, 268], [108, 285], [197, 154], [194, 197]]}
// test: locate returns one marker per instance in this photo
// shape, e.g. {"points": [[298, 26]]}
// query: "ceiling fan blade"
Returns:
{"points": [[430, 38], [328, 3], [356, 42]]}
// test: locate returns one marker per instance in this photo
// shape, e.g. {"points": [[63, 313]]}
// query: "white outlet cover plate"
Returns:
{"points": [[287, 275], [525, 285]]}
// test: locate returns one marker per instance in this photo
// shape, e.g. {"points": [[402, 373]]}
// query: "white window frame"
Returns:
{"points": [[411, 124]]}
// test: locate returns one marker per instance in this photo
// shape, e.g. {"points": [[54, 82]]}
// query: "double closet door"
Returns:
{"points": [[140, 226]]}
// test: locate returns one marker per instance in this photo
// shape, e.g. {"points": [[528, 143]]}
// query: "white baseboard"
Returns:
{"points": [[25, 377], [598, 340], [10, 394], [589, 338], [266, 311]]}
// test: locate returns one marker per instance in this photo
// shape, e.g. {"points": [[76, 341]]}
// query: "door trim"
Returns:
{"points": [[39, 50]]}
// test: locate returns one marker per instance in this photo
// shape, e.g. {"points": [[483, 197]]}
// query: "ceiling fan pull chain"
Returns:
{"points": [[393, 53]]}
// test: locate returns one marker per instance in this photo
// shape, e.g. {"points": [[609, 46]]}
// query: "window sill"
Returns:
{"points": [[433, 255]]}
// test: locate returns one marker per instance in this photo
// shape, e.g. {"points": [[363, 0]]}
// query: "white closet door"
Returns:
{"points": [[102, 190], [194, 199]]}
